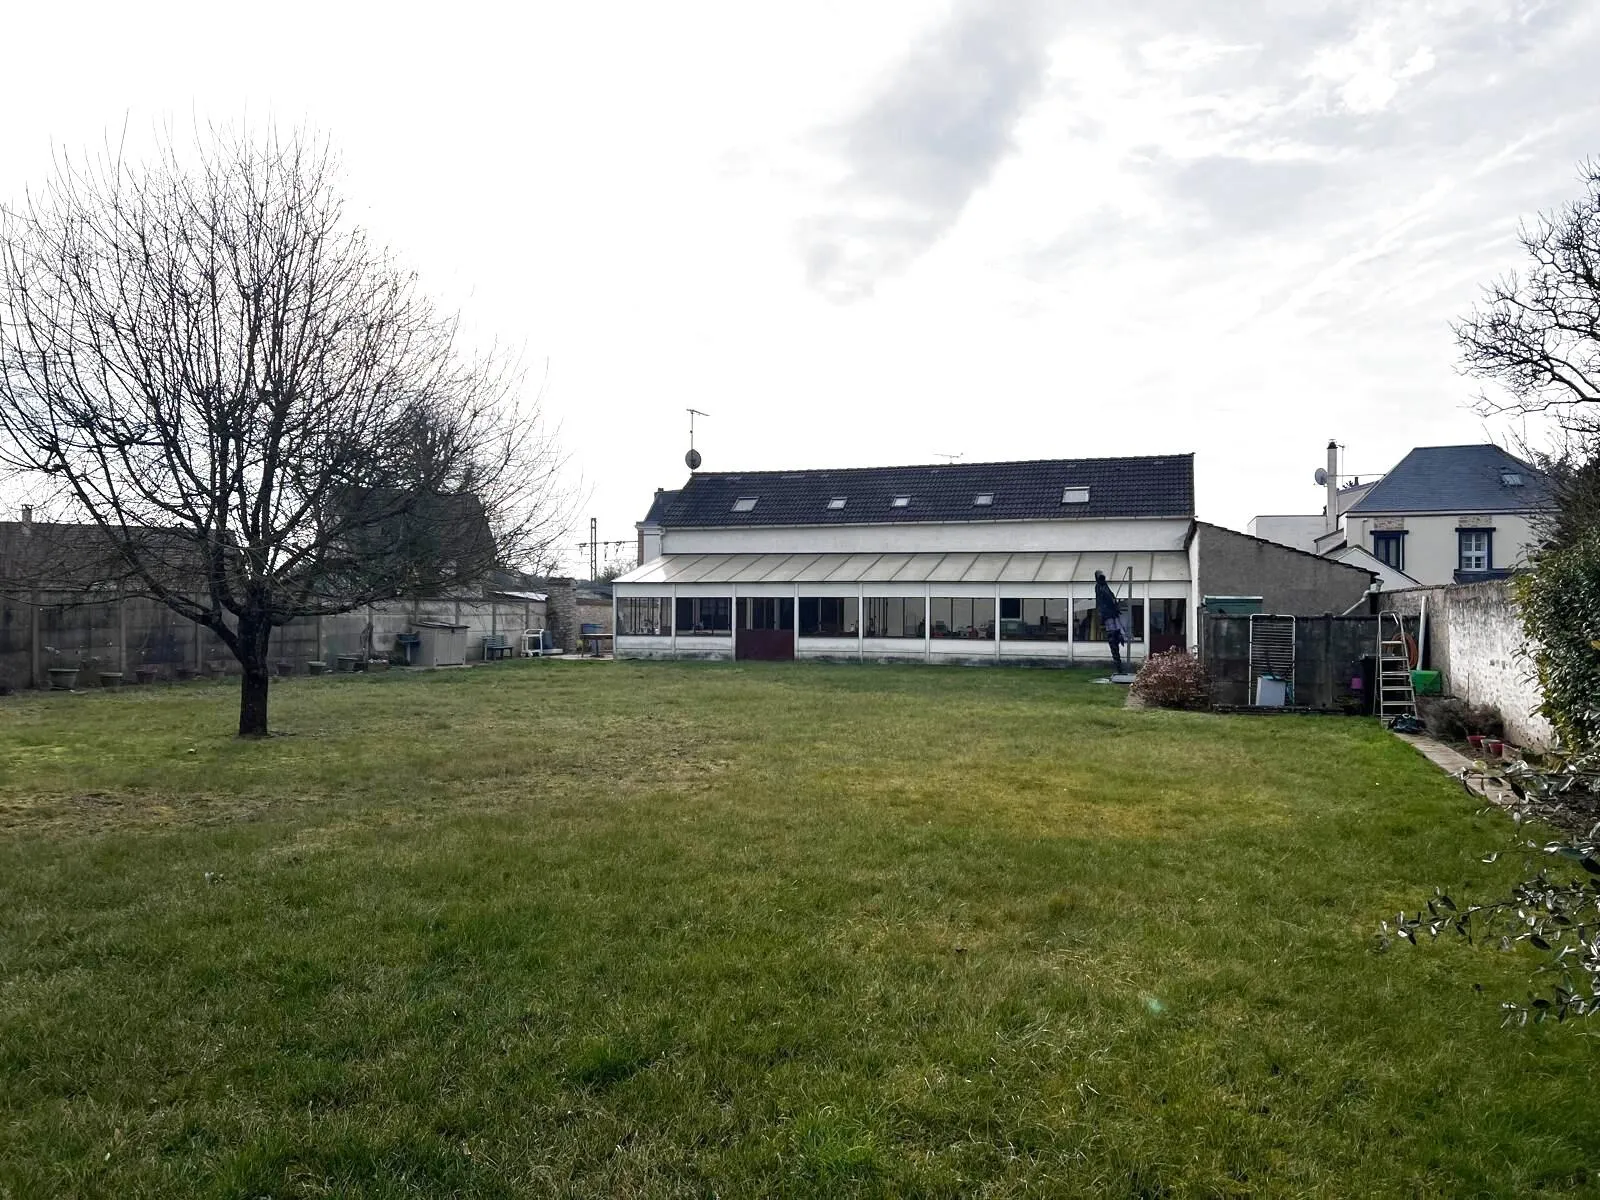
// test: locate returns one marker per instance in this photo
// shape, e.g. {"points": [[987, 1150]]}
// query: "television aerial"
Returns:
{"points": [[693, 457]]}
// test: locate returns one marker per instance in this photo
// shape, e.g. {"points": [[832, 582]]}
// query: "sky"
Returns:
{"points": [[867, 234]]}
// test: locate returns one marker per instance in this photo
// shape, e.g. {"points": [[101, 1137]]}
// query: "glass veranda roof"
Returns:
{"points": [[954, 567]]}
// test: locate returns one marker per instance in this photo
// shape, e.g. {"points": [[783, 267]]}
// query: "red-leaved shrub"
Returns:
{"points": [[1172, 679]]}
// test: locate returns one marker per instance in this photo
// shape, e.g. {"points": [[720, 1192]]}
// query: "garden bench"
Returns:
{"points": [[495, 646]]}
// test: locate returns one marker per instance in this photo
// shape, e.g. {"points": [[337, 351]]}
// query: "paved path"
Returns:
{"points": [[1452, 762]]}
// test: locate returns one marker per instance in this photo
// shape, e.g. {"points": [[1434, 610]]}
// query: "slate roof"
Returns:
{"points": [[1152, 486], [658, 507], [1448, 479]]}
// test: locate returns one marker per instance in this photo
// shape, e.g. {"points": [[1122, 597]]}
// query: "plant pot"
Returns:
{"points": [[146, 674], [1494, 748], [283, 667], [183, 673], [63, 679], [110, 679], [1475, 740]]}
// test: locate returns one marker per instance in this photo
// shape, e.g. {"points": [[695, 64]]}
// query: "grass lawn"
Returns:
{"points": [[675, 929]]}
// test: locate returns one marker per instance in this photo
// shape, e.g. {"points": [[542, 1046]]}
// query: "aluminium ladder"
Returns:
{"points": [[1396, 696]]}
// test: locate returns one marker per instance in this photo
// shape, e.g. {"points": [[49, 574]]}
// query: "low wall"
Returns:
{"points": [[1475, 639], [40, 630]]}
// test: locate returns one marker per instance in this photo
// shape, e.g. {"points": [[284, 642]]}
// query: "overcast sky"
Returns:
{"points": [[878, 233]]}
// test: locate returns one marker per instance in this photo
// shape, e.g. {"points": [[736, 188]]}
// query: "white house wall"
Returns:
{"points": [[1005, 537], [1432, 551]]}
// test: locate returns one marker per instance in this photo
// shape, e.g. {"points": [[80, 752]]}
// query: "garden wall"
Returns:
{"points": [[1475, 639], [40, 630]]}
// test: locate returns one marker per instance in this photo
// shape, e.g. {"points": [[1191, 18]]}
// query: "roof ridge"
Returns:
{"points": [[1001, 462]]}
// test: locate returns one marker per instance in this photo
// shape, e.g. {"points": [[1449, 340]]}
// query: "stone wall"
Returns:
{"points": [[561, 606], [1474, 638]]}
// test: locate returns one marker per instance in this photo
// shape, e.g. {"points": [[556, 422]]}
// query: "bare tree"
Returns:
{"points": [[258, 410], [1537, 334]]}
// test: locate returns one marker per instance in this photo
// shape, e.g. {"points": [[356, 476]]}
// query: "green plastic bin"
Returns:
{"points": [[1427, 683]]}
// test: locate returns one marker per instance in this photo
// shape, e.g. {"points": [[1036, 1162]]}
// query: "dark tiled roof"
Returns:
{"points": [[1156, 486], [1456, 479], [658, 507]]}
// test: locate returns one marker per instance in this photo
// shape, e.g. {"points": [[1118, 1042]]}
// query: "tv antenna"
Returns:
{"points": [[950, 458], [693, 457]]}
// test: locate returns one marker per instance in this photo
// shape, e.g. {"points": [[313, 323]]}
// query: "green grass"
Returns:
{"points": [[668, 929]]}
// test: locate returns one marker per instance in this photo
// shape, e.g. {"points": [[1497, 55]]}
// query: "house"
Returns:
{"points": [[1451, 514], [1444, 514], [957, 563]]}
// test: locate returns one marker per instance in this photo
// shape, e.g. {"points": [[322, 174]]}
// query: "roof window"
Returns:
{"points": [[983, 499], [744, 504], [836, 503], [1511, 478], [1075, 495], [900, 502]]}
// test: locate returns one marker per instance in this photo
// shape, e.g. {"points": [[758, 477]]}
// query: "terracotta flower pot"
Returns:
{"points": [[1475, 740], [1493, 747]]}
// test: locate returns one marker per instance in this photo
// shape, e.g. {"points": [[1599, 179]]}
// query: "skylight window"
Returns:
{"points": [[900, 502], [836, 503], [1075, 495], [1511, 478], [744, 504], [983, 499]]}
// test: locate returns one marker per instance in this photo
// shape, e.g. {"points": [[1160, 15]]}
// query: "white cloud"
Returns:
{"points": [[1235, 228]]}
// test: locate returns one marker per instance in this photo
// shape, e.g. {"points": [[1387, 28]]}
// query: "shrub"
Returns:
{"points": [[1172, 679], [1555, 908], [1559, 602], [1451, 720]]}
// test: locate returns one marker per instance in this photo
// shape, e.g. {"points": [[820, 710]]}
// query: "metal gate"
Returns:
{"points": [[1271, 653]]}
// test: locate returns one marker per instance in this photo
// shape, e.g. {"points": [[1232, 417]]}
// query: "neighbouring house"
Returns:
{"points": [[959, 563], [1443, 514]]}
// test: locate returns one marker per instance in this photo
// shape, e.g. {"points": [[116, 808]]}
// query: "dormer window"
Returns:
{"points": [[900, 502], [983, 499], [745, 504], [1075, 495], [1511, 478], [836, 503]]}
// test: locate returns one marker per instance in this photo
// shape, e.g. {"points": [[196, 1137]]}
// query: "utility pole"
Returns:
{"points": [[594, 546]]}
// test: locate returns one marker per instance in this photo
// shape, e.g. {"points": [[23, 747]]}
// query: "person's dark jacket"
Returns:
{"points": [[1106, 602]]}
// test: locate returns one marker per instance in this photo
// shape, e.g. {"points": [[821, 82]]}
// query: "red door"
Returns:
{"points": [[766, 628]]}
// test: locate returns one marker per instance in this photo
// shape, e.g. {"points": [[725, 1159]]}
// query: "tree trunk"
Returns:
{"points": [[254, 634]]}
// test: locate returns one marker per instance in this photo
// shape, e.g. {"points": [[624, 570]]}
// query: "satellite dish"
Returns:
{"points": [[693, 459], [1321, 476]]}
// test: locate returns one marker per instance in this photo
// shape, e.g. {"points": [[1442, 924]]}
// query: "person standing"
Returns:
{"points": [[1105, 601]]}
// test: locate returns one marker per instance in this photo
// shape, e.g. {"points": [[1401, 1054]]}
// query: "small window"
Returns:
{"points": [[1075, 495], [1511, 478], [983, 499], [900, 502], [836, 503], [1475, 554], [744, 504], [1390, 549]]}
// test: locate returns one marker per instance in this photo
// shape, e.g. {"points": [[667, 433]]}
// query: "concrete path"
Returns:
{"points": [[1452, 762]]}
